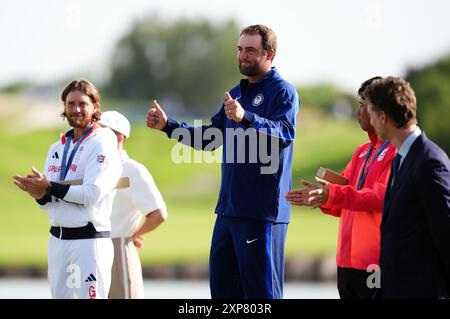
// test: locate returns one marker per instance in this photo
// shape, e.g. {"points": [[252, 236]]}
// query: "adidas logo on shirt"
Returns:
{"points": [[55, 155], [91, 278]]}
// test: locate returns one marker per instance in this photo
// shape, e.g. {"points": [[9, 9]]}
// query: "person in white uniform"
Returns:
{"points": [[77, 190], [140, 198]]}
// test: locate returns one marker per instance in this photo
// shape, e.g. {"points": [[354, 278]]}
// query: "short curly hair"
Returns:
{"points": [[395, 97]]}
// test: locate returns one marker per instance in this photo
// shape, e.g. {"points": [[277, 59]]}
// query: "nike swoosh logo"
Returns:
{"points": [[251, 241]]}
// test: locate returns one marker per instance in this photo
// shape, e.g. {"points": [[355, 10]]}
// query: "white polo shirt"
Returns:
{"points": [[130, 204], [97, 163]]}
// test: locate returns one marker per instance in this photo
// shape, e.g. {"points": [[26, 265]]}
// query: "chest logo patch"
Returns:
{"points": [[380, 158], [362, 154], [258, 100]]}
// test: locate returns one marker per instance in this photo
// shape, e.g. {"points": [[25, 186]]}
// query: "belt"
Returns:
{"points": [[84, 232]]}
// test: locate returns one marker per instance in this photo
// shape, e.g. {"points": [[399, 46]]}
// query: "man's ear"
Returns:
{"points": [[383, 117], [270, 54]]}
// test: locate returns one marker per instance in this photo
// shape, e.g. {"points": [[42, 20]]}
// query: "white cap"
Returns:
{"points": [[115, 121]]}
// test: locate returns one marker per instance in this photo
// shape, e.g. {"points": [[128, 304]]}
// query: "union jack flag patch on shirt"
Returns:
{"points": [[101, 158]]}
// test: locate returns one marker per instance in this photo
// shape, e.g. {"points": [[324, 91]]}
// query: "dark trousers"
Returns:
{"points": [[352, 284]]}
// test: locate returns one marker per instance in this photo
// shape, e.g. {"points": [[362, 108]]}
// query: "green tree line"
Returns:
{"points": [[432, 86], [183, 62], [187, 64]]}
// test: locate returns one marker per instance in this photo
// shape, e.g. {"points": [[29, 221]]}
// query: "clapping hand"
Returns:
{"points": [[311, 196]]}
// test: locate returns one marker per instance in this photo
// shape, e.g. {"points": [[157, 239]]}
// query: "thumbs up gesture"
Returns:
{"points": [[233, 109], [156, 117]]}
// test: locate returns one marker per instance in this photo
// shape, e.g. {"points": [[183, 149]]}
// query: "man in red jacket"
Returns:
{"points": [[359, 205]]}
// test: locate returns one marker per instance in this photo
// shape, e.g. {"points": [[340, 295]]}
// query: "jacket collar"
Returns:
{"points": [[402, 173], [70, 133], [270, 75]]}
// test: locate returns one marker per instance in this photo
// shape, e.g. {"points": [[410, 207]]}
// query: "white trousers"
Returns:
{"points": [[80, 268]]}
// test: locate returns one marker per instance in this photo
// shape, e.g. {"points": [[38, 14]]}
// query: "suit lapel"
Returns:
{"points": [[402, 174]]}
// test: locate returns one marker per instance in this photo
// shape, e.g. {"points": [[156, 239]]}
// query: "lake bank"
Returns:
{"points": [[313, 269]]}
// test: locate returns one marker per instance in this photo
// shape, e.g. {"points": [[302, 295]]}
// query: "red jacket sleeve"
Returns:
{"points": [[328, 208], [369, 198]]}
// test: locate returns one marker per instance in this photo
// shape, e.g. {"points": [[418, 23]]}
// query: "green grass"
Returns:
{"points": [[190, 191]]}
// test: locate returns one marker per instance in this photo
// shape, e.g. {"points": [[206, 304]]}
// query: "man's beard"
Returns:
{"points": [[249, 69], [78, 121]]}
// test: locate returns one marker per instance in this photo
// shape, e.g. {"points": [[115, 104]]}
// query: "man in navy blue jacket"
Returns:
{"points": [[415, 227], [256, 126]]}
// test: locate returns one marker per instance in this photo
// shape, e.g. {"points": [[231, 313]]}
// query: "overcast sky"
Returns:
{"points": [[343, 42]]}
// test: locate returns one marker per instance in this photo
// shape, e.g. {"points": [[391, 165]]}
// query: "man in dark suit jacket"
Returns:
{"points": [[415, 227]]}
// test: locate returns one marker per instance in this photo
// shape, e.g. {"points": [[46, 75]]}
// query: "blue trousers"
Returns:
{"points": [[247, 259]]}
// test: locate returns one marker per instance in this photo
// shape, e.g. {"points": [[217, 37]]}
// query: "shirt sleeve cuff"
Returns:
{"points": [[170, 127], [331, 196], [44, 200], [249, 118], [59, 190]]}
